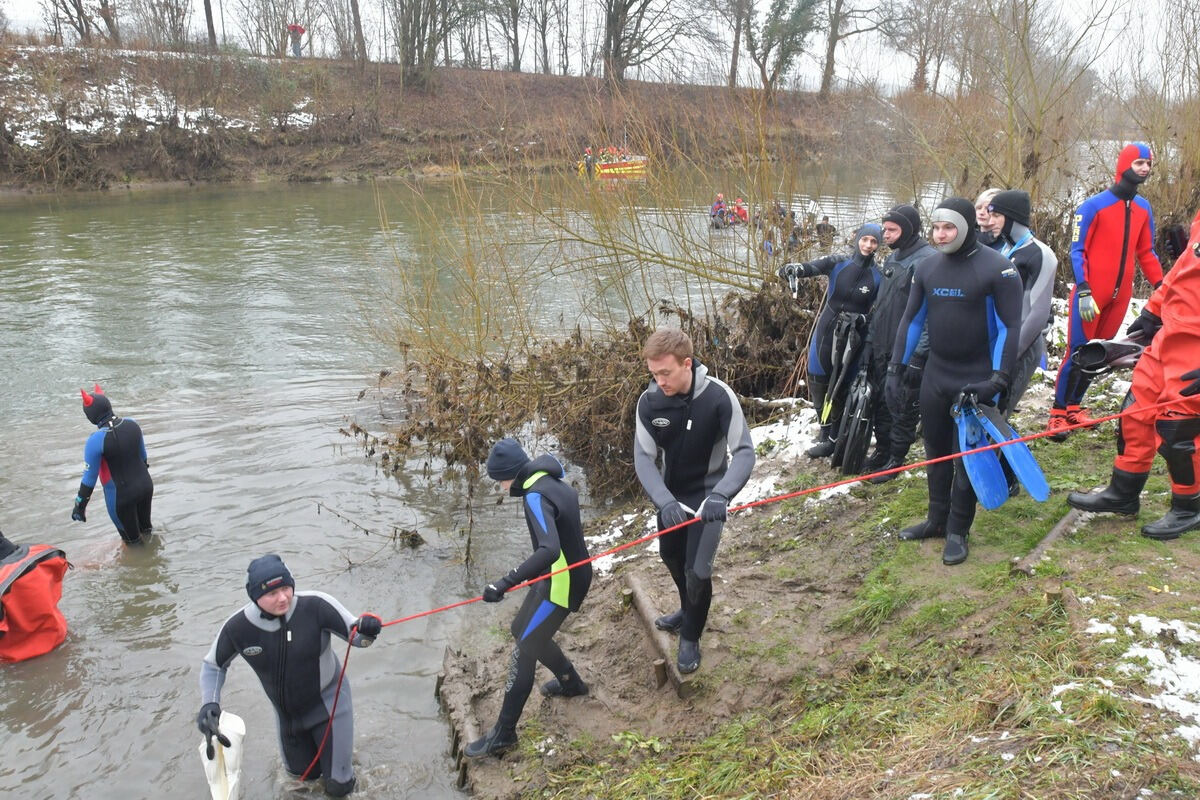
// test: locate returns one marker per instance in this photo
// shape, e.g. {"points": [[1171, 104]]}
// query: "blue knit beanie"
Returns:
{"points": [[265, 574], [506, 460]]}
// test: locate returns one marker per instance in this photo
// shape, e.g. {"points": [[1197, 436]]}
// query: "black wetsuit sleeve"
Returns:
{"points": [[911, 331], [212, 669], [541, 516], [645, 454], [337, 619], [825, 264], [739, 442]]}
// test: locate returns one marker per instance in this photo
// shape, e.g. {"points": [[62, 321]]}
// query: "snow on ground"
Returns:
{"points": [[108, 107]]}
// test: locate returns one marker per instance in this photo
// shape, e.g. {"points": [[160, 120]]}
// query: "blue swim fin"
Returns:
{"points": [[1018, 455], [984, 470]]}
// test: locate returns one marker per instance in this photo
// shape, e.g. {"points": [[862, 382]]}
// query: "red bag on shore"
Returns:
{"points": [[30, 588]]}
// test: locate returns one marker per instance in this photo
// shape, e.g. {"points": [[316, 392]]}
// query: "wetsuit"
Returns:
{"points": [[115, 454], [1037, 266], [552, 515], [680, 454], [30, 588], [853, 283], [299, 671], [1174, 430], [1112, 229], [895, 428], [970, 300]]}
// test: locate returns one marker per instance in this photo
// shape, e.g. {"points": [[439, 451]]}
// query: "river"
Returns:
{"points": [[236, 326]]}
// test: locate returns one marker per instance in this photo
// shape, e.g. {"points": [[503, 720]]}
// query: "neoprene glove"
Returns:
{"points": [[912, 375], [1147, 324], [672, 514], [1193, 387], [77, 513], [494, 591], [985, 391], [369, 625], [206, 721], [1088, 310], [715, 508], [891, 387]]}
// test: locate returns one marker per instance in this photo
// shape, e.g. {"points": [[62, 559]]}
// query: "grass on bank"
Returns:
{"points": [[968, 683]]}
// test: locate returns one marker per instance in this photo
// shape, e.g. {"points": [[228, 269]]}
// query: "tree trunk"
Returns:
{"points": [[109, 15], [831, 43], [737, 40], [212, 31], [360, 44]]}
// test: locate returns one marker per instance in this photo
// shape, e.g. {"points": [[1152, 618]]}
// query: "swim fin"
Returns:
{"points": [[984, 470], [1018, 454]]}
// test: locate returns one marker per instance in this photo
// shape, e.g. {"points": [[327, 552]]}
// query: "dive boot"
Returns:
{"points": [[1059, 425], [922, 530], [824, 444], [671, 623], [492, 743], [1119, 497], [955, 550], [1184, 516], [891, 463], [876, 460], [689, 656], [568, 685]]}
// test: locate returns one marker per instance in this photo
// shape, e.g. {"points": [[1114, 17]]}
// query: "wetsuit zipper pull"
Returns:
{"points": [[689, 425]]}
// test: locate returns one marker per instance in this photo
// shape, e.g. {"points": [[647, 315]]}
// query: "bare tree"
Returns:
{"points": [[509, 17], [918, 28], [420, 28], [779, 40], [637, 31], [212, 31], [844, 19], [163, 22], [72, 14]]}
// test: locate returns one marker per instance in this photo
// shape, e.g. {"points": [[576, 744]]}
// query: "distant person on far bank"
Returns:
{"points": [[688, 424], [295, 33]]}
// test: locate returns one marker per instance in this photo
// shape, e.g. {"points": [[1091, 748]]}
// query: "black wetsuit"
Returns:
{"points": [[895, 428], [552, 515], [970, 301], [115, 454], [298, 670], [679, 453], [853, 283]]}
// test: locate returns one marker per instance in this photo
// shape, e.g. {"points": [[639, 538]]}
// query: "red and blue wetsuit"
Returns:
{"points": [[1112, 229], [115, 455]]}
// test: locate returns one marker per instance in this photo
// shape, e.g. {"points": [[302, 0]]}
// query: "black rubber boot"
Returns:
{"points": [[1184, 516], [689, 656], [891, 463], [1119, 497], [876, 460], [492, 743], [568, 685], [338, 789], [955, 550], [671, 623], [824, 445], [922, 530]]}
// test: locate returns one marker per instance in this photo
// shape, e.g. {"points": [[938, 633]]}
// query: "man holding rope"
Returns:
{"points": [[284, 635], [687, 424], [1164, 373]]}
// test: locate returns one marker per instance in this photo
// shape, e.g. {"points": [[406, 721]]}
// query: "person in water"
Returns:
{"points": [[284, 635], [969, 298], [1164, 374], [1112, 230], [894, 418], [853, 283], [687, 425], [115, 454], [551, 509], [30, 588]]}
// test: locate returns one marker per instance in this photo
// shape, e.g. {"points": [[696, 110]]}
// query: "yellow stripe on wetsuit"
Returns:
{"points": [[560, 584]]}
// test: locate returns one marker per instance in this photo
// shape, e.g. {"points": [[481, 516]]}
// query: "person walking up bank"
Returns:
{"points": [[1164, 373], [1112, 230], [284, 635], [115, 454], [556, 532], [687, 424], [969, 298]]}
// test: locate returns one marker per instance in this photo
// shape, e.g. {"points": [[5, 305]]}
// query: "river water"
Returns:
{"points": [[235, 325]]}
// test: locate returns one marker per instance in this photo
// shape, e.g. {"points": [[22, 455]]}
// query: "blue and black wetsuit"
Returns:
{"points": [[552, 515], [691, 436], [115, 454], [969, 298], [298, 670]]}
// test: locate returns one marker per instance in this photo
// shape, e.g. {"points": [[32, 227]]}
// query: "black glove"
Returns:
{"points": [[891, 387], [985, 391], [369, 625], [494, 592], [911, 379], [1193, 387], [1147, 324], [77, 512], [206, 721], [714, 508], [672, 514]]}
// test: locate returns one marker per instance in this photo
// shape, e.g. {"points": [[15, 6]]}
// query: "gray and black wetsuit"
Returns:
{"points": [[681, 452], [298, 670]]}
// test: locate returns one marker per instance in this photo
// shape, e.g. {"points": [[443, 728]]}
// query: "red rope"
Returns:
{"points": [[799, 493], [337, 693]]}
